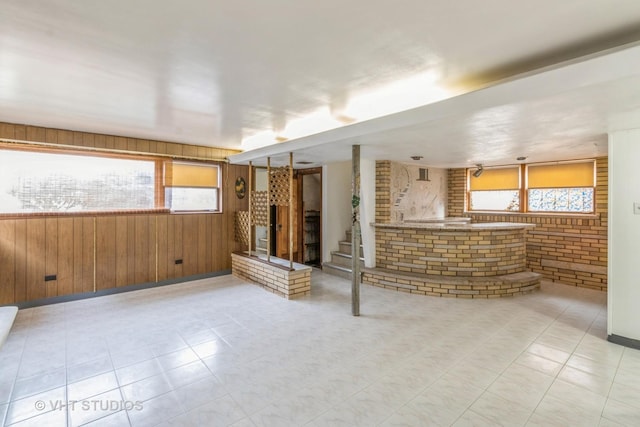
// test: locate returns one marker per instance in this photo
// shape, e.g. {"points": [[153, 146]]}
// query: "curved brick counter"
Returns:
{"points": [[472, 260]]}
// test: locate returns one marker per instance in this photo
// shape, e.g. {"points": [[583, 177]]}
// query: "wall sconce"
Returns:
{"points": [[478, 171]]}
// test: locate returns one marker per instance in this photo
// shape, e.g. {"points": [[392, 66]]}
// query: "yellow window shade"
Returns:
{"points": [[496, 179], [563, 175], [190, 175]]}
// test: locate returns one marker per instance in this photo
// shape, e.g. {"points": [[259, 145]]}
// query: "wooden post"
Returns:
{"points": [[268, 209], [250, 178], [291, 211], [355, 230]]}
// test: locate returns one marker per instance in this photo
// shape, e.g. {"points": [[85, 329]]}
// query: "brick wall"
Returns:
{"points": [[383, 191], [570, 249], [456, 201], [470, 253], [275, 279]]}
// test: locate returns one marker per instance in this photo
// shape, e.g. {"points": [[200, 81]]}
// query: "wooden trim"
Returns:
{"points": [[93, 149], [301, 218], [309, 171], [76, 150], [159, 188], [524, 197], [90, 213]]}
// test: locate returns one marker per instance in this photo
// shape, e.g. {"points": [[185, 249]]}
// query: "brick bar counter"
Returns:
{"points": [[484, 260]]}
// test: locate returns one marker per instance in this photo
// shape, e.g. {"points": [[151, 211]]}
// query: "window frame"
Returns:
{"points": [[159, 188], [218, 187], [469, 174], [524, 190]]}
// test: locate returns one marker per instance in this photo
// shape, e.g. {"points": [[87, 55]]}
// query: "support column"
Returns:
{"points": [[291, 211], [250, 191], [268, 209], [355, 231]]}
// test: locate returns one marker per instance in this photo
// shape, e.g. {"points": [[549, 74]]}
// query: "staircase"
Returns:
{"points": [[261, 240], [340, 264]]}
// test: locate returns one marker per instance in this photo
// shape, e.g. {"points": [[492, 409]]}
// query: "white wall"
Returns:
{"points": [[413, 199], [261, 179], [336, 206], [624, 235], [368, 210], [311, 192]]}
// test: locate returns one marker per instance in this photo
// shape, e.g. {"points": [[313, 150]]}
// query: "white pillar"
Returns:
{"points": [[623, 324], [368, 210]]}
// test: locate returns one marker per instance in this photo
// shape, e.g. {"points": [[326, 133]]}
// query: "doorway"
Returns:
{"points": [[310, 209], [307, 235]]}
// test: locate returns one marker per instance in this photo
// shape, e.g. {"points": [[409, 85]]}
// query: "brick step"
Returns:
{"points": [[461, 287], [343, 259]]}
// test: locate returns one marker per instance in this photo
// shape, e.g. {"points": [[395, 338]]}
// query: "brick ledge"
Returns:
{"points": [[456, 287]]}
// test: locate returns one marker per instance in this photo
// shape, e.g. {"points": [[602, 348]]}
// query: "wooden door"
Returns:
{"points": [[282, 232]]}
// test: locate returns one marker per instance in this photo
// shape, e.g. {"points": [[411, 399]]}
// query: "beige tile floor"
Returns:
{"points": [[220, 352]]}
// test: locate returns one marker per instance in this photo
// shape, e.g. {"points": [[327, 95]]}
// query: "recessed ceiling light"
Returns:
{"points": [[303, 162], [416, 157], [521, 158]]}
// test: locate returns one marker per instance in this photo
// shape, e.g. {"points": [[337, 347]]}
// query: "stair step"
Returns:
{"points": [[340, 258], [345, 247], [348, 234], [336, 270]]}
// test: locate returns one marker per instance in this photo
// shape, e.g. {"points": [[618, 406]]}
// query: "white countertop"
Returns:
{"points": [[456, 226]]}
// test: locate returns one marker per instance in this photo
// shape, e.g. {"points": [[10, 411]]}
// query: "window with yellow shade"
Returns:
{"points": [[495, 189], [191, 186], [560, 187]]}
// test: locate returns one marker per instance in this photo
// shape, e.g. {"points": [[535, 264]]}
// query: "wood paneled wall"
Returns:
{"points": [[98, 252], [86, 139]]}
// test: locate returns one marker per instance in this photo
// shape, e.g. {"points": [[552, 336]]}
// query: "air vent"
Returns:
{"points": [[423, 174]]}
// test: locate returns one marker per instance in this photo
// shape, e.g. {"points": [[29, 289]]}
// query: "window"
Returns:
{"points": [[191, 186], [33, 181], [56, 181], [563, 187], [496, 189]]}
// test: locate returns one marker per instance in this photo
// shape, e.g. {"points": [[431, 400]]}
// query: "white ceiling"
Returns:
{"points": [[214, 72]]}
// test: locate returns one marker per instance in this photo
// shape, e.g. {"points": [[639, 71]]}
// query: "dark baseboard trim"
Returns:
{"points": [[627, 342], [119, 290]]}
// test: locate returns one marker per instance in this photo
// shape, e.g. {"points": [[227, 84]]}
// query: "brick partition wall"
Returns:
{"points": [[274, 278], [569, 249], [446, 252]]}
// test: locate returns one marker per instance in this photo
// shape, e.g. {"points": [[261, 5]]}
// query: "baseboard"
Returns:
{"points": [[627, 342], [119, 290]]}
